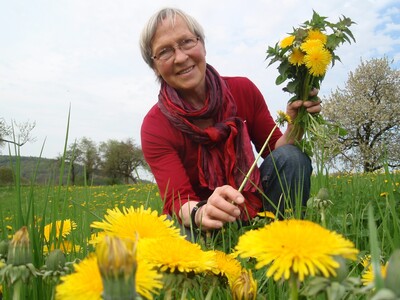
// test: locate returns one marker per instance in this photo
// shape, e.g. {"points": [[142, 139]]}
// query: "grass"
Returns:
{"points": [[360, 207]]}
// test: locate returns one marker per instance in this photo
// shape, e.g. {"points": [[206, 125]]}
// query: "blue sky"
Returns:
{"points": [[85, 55]]}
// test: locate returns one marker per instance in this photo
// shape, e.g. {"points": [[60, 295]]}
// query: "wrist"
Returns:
{"points": [[194, 211]]}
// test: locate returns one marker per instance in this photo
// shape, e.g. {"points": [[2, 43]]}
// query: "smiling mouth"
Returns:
{"points": [[186, 70]]}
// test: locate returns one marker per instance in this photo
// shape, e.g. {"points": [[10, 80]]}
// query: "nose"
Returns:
{"points": [[180, 55]]}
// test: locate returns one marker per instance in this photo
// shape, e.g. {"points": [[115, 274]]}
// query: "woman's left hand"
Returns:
{"points": [[311, 106]]}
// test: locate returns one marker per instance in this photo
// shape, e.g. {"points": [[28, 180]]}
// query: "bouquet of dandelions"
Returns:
{"points": [[304, 56]]}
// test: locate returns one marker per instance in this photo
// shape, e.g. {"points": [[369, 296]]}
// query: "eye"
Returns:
{"points": [[186, 42], [163, 51]]}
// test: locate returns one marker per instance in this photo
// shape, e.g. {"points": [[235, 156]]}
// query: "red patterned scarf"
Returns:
{"points": [[225, 152]]}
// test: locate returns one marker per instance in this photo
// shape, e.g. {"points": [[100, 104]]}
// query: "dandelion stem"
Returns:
{"points": [[18, 290], [294, 291], [256, 159]]}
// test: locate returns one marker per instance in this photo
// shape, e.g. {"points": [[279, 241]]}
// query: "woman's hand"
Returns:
{"points": [[311, 106], [221, 208]]}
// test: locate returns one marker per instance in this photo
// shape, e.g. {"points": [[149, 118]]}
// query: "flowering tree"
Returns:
{"points": [[368, 109]]}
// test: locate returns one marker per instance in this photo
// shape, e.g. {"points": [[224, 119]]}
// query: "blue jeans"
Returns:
{"points": [[286, 179]]}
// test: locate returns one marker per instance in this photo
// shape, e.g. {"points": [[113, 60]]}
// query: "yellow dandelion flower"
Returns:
{"points": [[384, 194], [65, 246], [131, 222], [294, 246], [85, 282], [148, 281], [283, 118], [367, 276], [266, 214], [227, 265], [67, 227], [296, 58], [310, 45], [317, 61], [287, 41], [317, 35], [176, 254], [241, 281]]}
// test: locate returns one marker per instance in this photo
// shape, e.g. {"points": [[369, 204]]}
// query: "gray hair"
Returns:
{"points": [[148, 32]]}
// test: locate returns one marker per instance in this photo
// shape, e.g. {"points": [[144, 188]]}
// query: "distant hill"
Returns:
{"points": [[44, 169]]}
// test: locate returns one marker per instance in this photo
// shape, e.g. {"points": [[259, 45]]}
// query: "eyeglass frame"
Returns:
{"points": [[177, 46]]}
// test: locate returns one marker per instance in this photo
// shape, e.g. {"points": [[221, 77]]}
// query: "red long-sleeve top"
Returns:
{"points": [[173, 156]]}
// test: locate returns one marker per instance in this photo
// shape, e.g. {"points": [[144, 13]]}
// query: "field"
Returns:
{"points": [[363, 208]]}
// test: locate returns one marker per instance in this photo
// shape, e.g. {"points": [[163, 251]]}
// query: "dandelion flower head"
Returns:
{"points": [[227, 265], [314, 34], [176, 254], [283, 118], [287, 41], [85, 282], [310, 45], [296, 58], [267, 214], [368, 276], [130, 222], [317, 61], [63, 228], [294, 246]]}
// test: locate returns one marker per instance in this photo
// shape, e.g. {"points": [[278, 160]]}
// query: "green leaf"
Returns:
{"points": [[280, 79], [292, 86]]}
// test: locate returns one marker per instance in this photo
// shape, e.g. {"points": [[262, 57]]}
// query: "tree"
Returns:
{"points": [[16, 133], [72, 156], [85, 154], [368, 109], [121, 160], [90, 157]]}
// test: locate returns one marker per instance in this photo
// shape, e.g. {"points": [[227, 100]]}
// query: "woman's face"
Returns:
{"points": [[185, 70]]}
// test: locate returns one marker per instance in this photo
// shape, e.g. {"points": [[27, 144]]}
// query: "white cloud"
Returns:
{"points": [[85, 54]]}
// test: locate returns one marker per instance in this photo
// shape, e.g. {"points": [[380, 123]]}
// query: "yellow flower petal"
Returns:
{"points": [[297, 247]]}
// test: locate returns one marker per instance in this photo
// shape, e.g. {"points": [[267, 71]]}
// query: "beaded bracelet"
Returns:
{"points": [[194, 211]]}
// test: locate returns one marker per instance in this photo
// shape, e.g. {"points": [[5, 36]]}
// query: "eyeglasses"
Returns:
{"points": [[183, 45]]}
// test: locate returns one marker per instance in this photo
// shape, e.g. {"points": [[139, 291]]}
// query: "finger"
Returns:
{"points": [[314, 109], [224, 216], [311, 103], [295, 104], [229, 194], [221, 209]]}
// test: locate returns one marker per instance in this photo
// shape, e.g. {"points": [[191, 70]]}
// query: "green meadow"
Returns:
{"points": [[363, 208]]}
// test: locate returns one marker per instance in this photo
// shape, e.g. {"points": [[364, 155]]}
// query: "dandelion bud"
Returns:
{"points": [[19, 250], [117, 264], [3, 249], [244, 287], [323, 194], [55, 261]]}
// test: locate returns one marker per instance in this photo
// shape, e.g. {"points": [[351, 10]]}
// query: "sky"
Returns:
{"points": [[81, 57]]}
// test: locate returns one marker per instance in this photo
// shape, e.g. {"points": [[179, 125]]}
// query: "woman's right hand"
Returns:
{"points": [[221, 208]]}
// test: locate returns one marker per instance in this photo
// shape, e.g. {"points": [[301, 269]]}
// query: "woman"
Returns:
{"points": [[197, 138]]}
